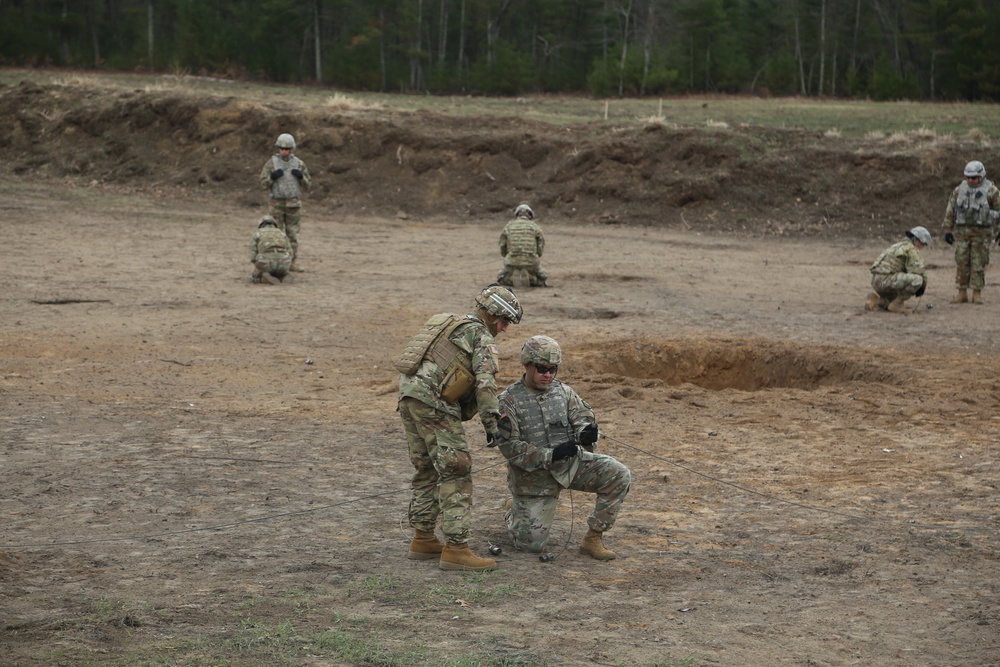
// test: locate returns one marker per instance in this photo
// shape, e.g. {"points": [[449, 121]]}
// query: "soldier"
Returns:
{"points": [[969, 224], [270, 253], [548, 435], [898, 273], [284, 176], [447, 375], [521, 244]]}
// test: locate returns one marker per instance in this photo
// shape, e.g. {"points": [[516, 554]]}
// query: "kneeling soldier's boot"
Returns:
{"points": [[897, 306], [593, 547], [871, 303], [425, 546], [961, 297], [977, 296], [459, 557]]}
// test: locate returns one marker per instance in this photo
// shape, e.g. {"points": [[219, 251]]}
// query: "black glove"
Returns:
{"points": [[277, 173], [589, 434], [949, 238], [297, 173], [492, 438], [998, 239], [564, 451], [920, 290]]}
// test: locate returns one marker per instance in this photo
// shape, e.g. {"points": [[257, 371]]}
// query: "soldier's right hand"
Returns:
{"points": [[949, 238], [564, 451], [276, 174]]}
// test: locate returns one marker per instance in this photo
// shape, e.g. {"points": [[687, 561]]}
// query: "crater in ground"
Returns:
{"points": [[746, 365]]}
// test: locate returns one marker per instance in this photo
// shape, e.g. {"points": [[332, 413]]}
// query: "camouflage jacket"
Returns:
{"points": [[522, 238], [287, 186], [474, 338], [532, 424], [269, 243], [902, 257], [973, 207]]}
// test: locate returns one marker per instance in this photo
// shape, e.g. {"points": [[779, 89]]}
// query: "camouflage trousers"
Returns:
{"points": [[536, 274], [289, 221], [891, 285], [972, 255], [276, 266], [442, 477], [529, 518]]}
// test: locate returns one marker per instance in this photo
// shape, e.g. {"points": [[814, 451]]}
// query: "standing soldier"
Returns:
{"points": [[969, 224], [447, 375], [270, 253], [284, 176], [898, 273], [548, 435], [521, 244]]}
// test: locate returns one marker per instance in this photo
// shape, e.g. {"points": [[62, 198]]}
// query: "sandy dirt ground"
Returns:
{"points": [[197, 470]]}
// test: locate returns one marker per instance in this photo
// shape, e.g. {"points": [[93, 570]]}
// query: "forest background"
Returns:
{"points": [[877, 49]]}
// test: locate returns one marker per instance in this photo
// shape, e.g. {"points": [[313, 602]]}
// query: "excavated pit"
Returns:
{"points": [[746, 365]]}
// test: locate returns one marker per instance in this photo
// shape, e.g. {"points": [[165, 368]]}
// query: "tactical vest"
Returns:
{"points": [[545, 417], [433, 342], [287, 186], [972, 207], [521, 238]]}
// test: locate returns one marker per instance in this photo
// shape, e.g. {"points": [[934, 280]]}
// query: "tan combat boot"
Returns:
{"points": [[961, 297], [459, 557], [871, 303], [977, 297], [593, 547], [295, 267], [270, 279], [897, 306], [425, 546]]}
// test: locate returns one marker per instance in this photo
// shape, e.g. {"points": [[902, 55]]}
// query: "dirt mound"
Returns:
{"points": [[752, 180]]}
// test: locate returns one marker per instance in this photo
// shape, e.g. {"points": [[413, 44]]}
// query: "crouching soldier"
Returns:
{"points": [[898, 273]]}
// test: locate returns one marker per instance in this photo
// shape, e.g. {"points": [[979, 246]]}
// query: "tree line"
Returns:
{"points": [[879, 49]]}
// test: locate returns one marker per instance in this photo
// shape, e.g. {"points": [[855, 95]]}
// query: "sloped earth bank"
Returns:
{"points": [[197, 470]]}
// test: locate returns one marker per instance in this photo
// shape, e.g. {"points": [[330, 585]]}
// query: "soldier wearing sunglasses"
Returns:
{"points": [[548, 434]]}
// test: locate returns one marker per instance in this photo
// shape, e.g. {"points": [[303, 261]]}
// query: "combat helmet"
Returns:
{"points": [[541, 350], [524, 211], [499, 302], [920, 234], [285, 140], [267, 221], [975, 169]]}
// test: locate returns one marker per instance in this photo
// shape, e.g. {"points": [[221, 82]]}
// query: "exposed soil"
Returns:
{"points": [[198, 470]]}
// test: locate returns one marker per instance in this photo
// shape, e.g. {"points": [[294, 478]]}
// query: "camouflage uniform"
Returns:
{"points": [[533, 423], [972, 215], [270, 253], [522, 243], [442, 481], [898, 271], [286, 193]]}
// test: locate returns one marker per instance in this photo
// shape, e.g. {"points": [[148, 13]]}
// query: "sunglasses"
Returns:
{"points": [[546, 370]]}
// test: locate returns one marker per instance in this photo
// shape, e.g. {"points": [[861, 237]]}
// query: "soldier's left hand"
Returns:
{"points": [[297, 173], [589, 434]]}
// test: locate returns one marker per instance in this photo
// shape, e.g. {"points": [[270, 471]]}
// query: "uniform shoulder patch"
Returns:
{"points": [[495, 350], [503, 426]]}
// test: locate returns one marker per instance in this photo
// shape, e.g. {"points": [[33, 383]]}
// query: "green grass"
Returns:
{"points": [[832, 118]]}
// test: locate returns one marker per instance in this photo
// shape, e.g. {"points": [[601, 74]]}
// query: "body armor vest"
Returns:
{"points": [[545, 416], [521, 238], [287, 186], [972, 206]]}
